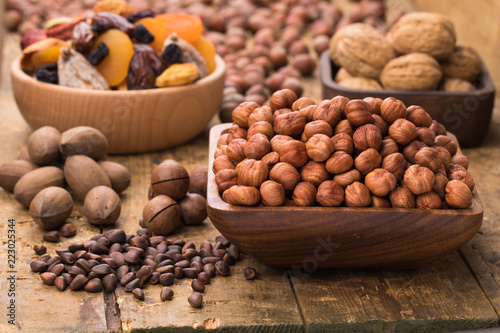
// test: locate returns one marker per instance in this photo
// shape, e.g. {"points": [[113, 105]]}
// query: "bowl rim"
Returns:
{"points": [[219, 71]]}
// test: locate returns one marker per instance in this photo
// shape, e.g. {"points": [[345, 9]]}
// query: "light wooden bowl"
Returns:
{"points": [[133, 121], [343, 237]]}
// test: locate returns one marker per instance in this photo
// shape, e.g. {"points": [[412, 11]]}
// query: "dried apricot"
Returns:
{"points": [[188, 27], [46, 51], [178, 74], [156, 27], [45, 57], [114, 67], [114, 6], [207, 50]]}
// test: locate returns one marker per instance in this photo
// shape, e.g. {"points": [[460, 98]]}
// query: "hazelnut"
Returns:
{"points": [[314, 173], [316, 127], [428, 157], [102, 206], [440, 184], [198, 179], [291, 124], [283, 98], [222, 162], [278, 56], [118, 175], [308, 112], [419, 179], [293, 84], [403, 131], [278, 140], [319, 147], [82, 174], [170, 178], [274, 81], [321, 43], [380, 202], [262, 127], [329, 111], [388, 146], [358, 113], [257, 146], [343, 142], [458, 194], [304, 63], [43, 145], [236, 132], [446, 142], [429, 200], [418, 116], [402, 197], [280, 112], [339, 162], [193, 209], [392, 109], [460, 159], [270, 159], [236, 150], [411, 149], [357, 195], [285, 174], [380, 182], [161, 215], [242, 112], [252, 173], [225, 179], [222, 150], [367, 136], [84, 140], [344, 126], [272, 193], [304, 194], [368, 160], [375, 104], [293, 152], [444, 155], [262, 113], [381, 124], [464, 177], [302, 103], [241, 195], [330, 194], [12, 171], [347, 178], [438, 128], [426, 135], [396, 164], [51, 207]]}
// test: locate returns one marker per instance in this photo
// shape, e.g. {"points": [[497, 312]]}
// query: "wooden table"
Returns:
{"points": [[459, 292]]}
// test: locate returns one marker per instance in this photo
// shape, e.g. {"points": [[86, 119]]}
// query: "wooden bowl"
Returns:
{"points": [[133, 121], [467, 115], [342, 237]]}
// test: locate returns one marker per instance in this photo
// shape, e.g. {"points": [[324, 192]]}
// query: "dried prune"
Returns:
{"points": [[82, 37], [155, 61], [104, 21], [171, 54], [47, 73], [134, 17], [140, 74], [98, 55], [142, 34]]}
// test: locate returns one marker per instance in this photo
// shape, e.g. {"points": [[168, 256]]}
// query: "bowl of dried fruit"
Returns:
{"points": [[146, 81], [340, 184]]}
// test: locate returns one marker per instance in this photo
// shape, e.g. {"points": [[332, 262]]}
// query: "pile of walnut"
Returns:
{"points": [[418, 53], [76, 158], [356, 153]]}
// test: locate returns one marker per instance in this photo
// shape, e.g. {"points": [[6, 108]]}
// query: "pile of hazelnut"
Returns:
{"points": [[340, 152]]}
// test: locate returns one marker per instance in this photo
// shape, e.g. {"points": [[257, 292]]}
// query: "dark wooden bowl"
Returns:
{"points": [[467, 115], [324, 237]]}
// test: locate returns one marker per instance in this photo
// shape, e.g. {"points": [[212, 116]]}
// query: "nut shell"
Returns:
{"points": [[463, 63], [51, 207], [118, 175], [102, 206], [43, 145], [193, 209], [162, 215], [34, 181], [12, 171], [198, 179], [170, 178], [84, 140], [83, 173]]}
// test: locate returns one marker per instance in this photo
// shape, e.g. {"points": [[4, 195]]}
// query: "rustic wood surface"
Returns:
{"points": [[458, 292]]}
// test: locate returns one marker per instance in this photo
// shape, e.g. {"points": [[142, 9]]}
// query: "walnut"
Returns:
{"points": [[464, 63], [458, 85], [342, 74], [414, 71], [361, 50], [430, 33], [360, 83]]}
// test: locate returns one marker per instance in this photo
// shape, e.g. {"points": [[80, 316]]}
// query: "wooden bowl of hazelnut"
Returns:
{"points": [[132, 121], [340, 184]]}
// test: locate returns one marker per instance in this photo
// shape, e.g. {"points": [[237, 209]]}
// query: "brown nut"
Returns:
{"points": [[446, 142], [193, 209], [396, 164], [438, 128], [381, 124], [241, 195], [84, 140], [357, 195], [34, 181], [419, 179], [358, 113], [463, 176], [343, 142], [463, 63], [388, 146], [222, 162], [314, 173], [285, 174], [344, 126], [360, 83], [339, 162], [304, 194], [257, 146], [293, 152], [392, 109], [118, 175], [225, 179], [429, 200], [272, 193], [402, 197], [283, 98], [242, 112], [161, 215], [347, 178], [198, 179], [252, 173], [458, 194], [440, 184], [236, 150], [367, 136], [330, 194], [278, 140], [302, 103], [82, 174], [261, 127], [380, 182], [375, 104], [291, 123], [403, 131], [51, 207], [460, 159], [329, 111], [418, 116], [102, 206], [304, 63], [368, 160], [308, 112], [380, 202], [270, 159], [12, 171], [428, 157], [411, 149], [445, 156], [319, 147], [426, 135], [170, 178], [236, 132], [262, 113], [316, 127], [43, 145]]}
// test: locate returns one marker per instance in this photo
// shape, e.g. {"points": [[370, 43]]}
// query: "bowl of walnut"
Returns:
{"points": [[145, 83], [418, 61], [340, 184]]}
